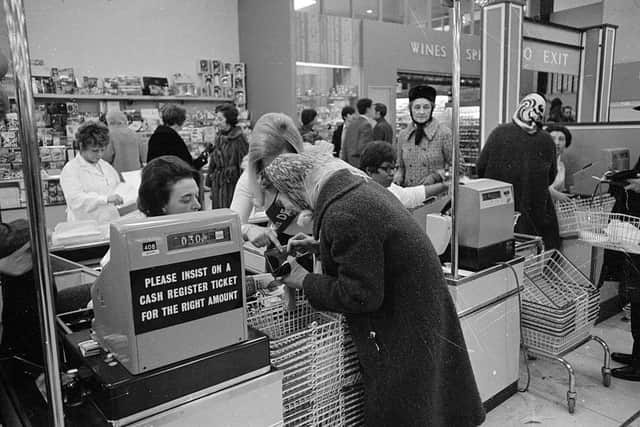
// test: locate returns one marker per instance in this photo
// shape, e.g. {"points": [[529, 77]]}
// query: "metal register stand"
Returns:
{"points": [[16, 23]]}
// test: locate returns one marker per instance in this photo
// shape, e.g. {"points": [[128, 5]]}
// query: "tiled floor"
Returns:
{"points": [[545, 402]]}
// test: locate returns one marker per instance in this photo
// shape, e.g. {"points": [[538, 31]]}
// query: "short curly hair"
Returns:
{"points": [[173, 114], [157, 180], [229, 112], [564, 130], [92, 134]]}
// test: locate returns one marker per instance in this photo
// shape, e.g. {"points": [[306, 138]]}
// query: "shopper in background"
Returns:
{"points": [[555, 111], [166, 141], [382, 272], [523, 155], [425, 147], [87, 181], [347, 114], [226, 157], [309, 120], [378, 161], [562, 138], [358, 133], [382, 130], [126, 150]]}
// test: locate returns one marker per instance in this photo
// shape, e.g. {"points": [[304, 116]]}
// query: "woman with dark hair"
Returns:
{"points": [[308, 118], [166, 141], [87, 181], [425, 148], [226, 157], [562, 138], [168, 186], [523, 155]]}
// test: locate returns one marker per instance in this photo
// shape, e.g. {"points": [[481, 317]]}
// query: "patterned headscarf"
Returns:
{"points": [[530, 113], [301, 176]]}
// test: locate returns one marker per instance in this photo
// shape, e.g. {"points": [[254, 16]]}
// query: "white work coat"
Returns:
{"points": [[86, 187]]}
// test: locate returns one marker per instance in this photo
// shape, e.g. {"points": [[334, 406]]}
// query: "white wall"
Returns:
{"points": [[569, 4], [105, 38], [625, 14]]}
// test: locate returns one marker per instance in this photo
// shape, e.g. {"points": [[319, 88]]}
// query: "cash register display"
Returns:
{"points": [[491, 195], [198, 238]]}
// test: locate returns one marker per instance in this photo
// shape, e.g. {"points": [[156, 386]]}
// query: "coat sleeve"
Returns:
{"points": [[357, 250], [12, 236], [483, 159]]}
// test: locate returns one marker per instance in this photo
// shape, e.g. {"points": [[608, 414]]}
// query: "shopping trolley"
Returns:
{"points": [[618, 232], [566, 211], [559, 305]]}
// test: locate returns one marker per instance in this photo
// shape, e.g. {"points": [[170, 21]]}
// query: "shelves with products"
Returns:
{"points": [[151, 98]]}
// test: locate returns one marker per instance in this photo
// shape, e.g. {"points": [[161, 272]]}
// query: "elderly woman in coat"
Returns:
{"points": [[382, 272]]}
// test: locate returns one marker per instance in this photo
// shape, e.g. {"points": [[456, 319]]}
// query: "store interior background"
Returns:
{"points": [[321, 54]]}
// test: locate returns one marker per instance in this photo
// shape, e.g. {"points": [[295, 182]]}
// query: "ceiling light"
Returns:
{"points": [[301, 4], [369, 11]]}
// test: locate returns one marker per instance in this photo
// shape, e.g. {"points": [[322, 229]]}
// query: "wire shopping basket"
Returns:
{"points": [[308, 346], [615, 231], [566, 211], [559, 305]]}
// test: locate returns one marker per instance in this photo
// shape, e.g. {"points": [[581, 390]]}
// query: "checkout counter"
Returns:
{"points": [[167, 341]]}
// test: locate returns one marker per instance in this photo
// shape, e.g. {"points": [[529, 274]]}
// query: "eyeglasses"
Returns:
{"points": [[388, 169]]}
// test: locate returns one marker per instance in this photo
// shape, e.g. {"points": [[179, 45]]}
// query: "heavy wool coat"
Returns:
{"points": [[529, 163], [167, 142], [224, 166], [382, 272]]}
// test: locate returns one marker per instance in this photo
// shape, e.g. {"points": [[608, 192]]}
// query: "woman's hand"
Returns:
{"points": [[18, 263], [303, 243], [558, 195], [634, 185], [260, 236], [115, 199], [398, 177], [296, 277]]}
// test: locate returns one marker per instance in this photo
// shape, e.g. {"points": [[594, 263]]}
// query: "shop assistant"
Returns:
{"points": [[87, 181]]}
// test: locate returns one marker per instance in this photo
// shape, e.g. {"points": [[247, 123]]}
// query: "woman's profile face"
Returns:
{"points": [[183, 197], [560, 140], [221, 121], [421, 109]]}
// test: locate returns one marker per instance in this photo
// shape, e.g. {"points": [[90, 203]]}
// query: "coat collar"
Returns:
{"points": [[429, 130], [341, 183]]}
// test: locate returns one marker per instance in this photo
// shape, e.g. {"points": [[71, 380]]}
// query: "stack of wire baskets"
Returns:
{"points": [[559, 304], [310, 348], [566, 211]]}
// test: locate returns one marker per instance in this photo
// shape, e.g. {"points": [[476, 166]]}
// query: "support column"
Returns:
{"points": [[501, 63], [596, 70]]}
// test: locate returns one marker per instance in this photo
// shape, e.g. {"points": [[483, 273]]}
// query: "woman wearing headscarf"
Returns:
{"points": [[425, 148], [382, 272], [523, 155]]}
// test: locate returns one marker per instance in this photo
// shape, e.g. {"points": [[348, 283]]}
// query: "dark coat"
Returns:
{"points": [[383, 274], [224, 166], [618, 265], [167, 142], [528, 162], [336, 139], [383, 131], [20, 321], [357, 135]]}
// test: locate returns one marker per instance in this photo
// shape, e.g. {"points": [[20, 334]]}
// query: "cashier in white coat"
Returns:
{"points": [[378, 160], [87, 181]]}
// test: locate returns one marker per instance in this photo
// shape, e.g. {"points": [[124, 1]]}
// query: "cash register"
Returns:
{"points": [[169, 320]]}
